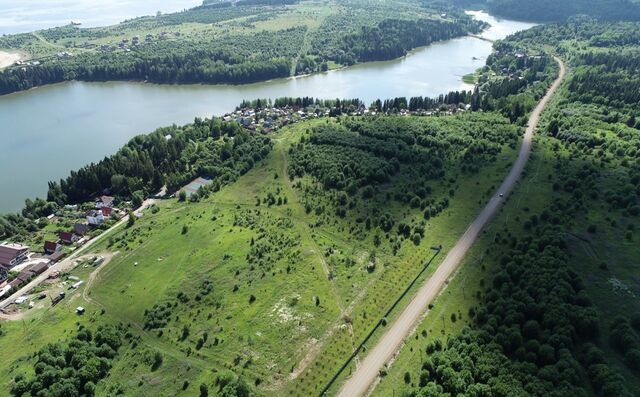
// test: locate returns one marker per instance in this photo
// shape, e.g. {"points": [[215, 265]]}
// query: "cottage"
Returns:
{"points": [[80, 229], [51, 246], [12, 254], [95, 218], [67, 237]]}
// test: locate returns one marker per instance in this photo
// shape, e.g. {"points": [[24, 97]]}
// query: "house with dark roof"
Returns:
{"points": [[12, 254], [56, 256], [80, 229], [51, 246], [39, 268], [16, 282], [67, 237], [25, 275]]}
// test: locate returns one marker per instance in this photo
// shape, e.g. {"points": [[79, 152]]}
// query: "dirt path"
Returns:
{"points": [[361, 380], [107, 257]]}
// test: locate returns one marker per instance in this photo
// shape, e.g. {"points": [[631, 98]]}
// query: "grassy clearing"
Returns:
{"points": [[394, 272]]}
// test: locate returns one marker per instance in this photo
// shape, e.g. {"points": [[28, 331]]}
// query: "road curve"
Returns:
{"points": [[365, 375]]}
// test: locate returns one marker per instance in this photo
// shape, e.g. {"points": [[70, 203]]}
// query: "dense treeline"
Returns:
{"points": [[229, 59], [342, 105], [358, 32], [170, 156], [561, 10], [608, 78], [73, 367], [394, 38], [232, 59], [362, 153], [511, 83], [388, 39], [528, 334], [218, 3]]}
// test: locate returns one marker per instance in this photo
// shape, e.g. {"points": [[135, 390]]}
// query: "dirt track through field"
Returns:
{"points": [[365, 375]]}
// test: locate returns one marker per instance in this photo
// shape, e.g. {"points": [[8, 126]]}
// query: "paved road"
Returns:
{"points": [[391, 341], [67, 262]]}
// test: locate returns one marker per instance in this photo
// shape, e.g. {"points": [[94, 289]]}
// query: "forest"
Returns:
{"points": [[73, 367], [218, 43], [560, 10], [390, 39]]}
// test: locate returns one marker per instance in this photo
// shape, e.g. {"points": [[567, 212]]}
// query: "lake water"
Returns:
{"points": [[18, 16], [49, 131]]}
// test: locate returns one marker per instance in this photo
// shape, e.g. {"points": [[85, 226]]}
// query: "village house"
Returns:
{"points": [[51, 246], [25, 275], [16, 282], [67, 237], [12, 254], [80, 229], [95, 218]]}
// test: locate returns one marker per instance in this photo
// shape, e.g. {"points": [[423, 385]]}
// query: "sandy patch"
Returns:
{"points": [[8, 58]]}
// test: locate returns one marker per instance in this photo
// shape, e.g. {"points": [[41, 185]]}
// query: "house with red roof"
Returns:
{"points": [[67, 237], [51, 246], [106, 211]]}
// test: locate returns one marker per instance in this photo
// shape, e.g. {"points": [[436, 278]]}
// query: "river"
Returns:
{"points": [[47, 132]]}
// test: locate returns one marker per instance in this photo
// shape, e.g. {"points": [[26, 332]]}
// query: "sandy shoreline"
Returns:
{"points": [[8, 58]]}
